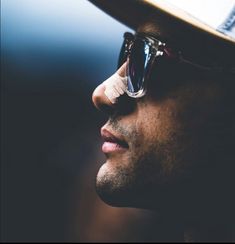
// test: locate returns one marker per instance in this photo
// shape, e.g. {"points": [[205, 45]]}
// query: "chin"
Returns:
{"points": [[110, 194], [119, 197], [118, 189], [114, 187], [108, 188]]}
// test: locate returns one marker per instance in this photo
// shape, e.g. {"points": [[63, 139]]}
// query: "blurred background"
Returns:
{"points": [[53, 55]]}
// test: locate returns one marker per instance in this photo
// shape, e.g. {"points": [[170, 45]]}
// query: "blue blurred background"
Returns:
{"points": [[41, 36], [53, 54]]}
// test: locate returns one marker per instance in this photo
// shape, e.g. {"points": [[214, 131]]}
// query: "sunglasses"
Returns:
{"points": [[141, 52]]}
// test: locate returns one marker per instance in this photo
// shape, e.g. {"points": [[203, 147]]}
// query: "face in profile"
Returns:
{"points": [[161, 148]]}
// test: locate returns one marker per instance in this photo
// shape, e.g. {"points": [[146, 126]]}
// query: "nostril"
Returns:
{"points": [[125, 105]]}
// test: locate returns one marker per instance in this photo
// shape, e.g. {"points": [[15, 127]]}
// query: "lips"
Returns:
{"points": [[112, 143]]}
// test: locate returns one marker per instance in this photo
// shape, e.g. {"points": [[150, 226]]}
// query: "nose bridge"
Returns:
{"points": [[105, 95]]}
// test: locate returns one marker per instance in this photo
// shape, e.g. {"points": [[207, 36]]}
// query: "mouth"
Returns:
{"points": [[112, 143]]}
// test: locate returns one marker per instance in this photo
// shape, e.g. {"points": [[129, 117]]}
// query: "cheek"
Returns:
{"points": [[157, 122], [163, 136]]}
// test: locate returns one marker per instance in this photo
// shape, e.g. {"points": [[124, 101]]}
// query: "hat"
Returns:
{"points": [[203, 30]]}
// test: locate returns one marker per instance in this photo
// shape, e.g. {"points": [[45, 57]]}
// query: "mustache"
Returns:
{"points": [[127, 131]]}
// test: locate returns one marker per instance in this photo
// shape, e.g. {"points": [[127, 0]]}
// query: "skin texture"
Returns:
{"points": [[178, 136]]}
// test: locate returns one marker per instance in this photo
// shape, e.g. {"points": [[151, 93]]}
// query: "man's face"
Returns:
{"points": [[156, 146]]}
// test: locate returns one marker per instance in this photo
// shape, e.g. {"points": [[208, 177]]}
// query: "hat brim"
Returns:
{"points": [[193, 37]]}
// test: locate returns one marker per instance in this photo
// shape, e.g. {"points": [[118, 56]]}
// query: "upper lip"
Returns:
{"points": [[110, 137]]}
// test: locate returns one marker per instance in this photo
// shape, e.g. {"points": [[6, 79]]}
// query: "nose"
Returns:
{"points": [[100, 97]]}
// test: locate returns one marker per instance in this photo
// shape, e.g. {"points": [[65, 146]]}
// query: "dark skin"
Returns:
{"points": [[178, 161]]}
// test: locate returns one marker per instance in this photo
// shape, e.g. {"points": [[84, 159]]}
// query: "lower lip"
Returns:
{"points": [[109, 147]]}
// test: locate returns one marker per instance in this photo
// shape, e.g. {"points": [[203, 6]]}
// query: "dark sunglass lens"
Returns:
{"points": [[138, 61], [122, 55]]}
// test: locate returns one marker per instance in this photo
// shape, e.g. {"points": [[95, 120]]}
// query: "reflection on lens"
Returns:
{"points": [[137, 67]]}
